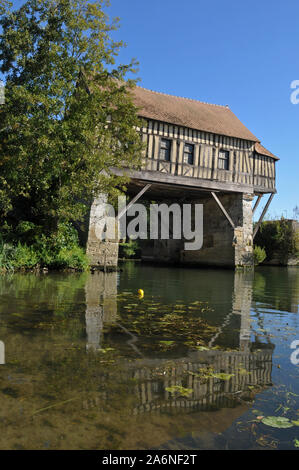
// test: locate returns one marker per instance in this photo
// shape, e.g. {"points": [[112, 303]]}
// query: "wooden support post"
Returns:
{"points": [[223, 210], [124, 210], [257, 203], [262, 215]]}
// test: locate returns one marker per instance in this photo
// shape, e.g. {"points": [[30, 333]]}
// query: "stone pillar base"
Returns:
{"points": [[223, 245], [243, 241], [101, 253]]}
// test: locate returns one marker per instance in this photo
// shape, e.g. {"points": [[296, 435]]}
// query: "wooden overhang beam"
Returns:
{"points": [[138, 196], [157, 177], [223, 209], [184, 191], [262, 215]]}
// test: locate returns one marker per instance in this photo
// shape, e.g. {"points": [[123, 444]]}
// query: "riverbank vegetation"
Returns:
{"points": [[129, 250], [259, 255], [279, 239], [68, 118], [28, 248]]}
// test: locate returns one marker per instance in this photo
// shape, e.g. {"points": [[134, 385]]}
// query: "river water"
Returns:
{"points": [[202, 361]]}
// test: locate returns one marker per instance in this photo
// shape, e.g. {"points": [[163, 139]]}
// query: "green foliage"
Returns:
{"points": [[129, 249], [6, 254], [25, 257], [278, 238], [71, 258], [68, 115], [4, 5], [259, 255], [59, 250]]}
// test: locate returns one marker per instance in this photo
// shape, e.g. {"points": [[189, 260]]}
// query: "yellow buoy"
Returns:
{"points": [[140, 293]]}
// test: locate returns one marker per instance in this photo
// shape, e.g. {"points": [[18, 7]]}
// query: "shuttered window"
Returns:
{"points": [[165, 149], [223, 160], [189, 154]]}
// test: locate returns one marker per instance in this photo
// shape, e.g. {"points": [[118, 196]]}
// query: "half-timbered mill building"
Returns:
{"points": [[200, 153]]}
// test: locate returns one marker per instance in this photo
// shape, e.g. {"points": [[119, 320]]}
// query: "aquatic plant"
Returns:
{"points": [[167, 328], [277, 422], [178, 390]]}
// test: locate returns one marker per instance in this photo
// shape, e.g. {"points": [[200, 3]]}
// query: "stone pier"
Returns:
{"points": [[101, 253], [223, 244], [227, 241], [101, 306]]}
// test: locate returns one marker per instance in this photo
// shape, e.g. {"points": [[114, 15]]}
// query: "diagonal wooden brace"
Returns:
{"points": [[262, 215], [223, 210], [124, 210], [257, 203]]}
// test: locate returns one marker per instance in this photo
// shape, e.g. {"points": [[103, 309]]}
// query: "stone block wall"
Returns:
{"points": [[243, 241], [101, 253], [223, 245]]}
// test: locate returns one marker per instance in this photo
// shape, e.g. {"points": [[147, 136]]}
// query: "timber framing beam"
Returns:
{"points": [[138, 196], [257, 203], [223, 210], [262, 215], [185, 181]]}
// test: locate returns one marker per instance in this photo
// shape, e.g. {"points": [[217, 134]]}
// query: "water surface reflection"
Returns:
{"points": [[91, 366]]}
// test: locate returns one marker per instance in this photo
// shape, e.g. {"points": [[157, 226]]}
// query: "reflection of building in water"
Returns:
{"points": [[241, 304], [101, 306], [203, 374], [2, 353], [242, 299], [215, 377]]}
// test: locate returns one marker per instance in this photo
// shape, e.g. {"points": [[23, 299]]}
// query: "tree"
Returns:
{"points": [[68, 116], [4, 4]]}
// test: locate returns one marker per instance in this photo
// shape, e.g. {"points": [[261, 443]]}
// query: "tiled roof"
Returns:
{"points": [[263, 151], [190, 113]]}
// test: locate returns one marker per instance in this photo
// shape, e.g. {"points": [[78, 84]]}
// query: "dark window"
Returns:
{"points": [[223, 160], [189, 154], [165, 147]]}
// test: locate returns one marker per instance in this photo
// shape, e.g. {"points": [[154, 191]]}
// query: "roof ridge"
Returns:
{"points": [[184, 98]]}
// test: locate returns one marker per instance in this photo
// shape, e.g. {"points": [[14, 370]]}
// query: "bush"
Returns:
{"points": [[61, 249], [29, 248], [129, 249], [6, 256], [278, 238], [25, 257], [74, 258], [259, 255]]}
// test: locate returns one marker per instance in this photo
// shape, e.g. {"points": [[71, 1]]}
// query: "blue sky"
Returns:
{"points": [[244, 54]]}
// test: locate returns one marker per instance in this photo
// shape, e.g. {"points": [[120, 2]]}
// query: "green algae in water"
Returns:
{"points": [[179, 390]]}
